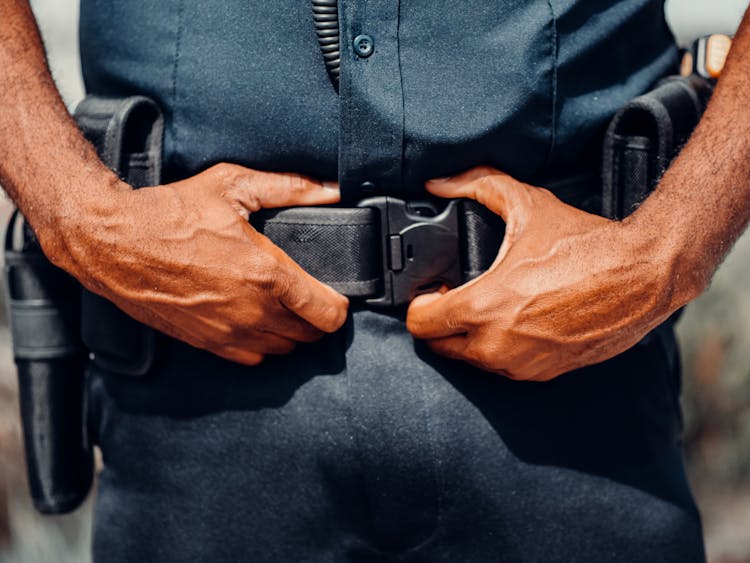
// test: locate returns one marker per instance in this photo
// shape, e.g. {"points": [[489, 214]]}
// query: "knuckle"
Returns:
{"points": [[485, 183], [332, 318], [297, 182], [224, 334], [223, 171], [286, 347], [486, 170], [269, 278], [265, 283], [234, 181], [544, 193], [486, 352], [520, 371], [292, 294], [485, 356], [477, 308], [234, 332]]}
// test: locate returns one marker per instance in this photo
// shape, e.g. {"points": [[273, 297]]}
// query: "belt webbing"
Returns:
{"points": [[338, 246], [342, 246]]}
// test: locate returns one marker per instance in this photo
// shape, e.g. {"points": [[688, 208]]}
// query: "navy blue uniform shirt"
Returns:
{"points": [[524, 85]]}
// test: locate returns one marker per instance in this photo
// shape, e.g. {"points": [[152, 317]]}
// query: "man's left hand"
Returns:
{"points": [[567, 289]]}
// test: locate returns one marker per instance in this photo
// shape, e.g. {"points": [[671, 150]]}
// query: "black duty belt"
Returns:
{"points": [[387, 250]]}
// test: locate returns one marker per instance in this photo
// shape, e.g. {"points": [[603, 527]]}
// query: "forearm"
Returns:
{"points": [[702, 204], [46, 166]]}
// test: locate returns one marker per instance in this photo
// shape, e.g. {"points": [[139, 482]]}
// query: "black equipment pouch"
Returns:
{"points": [[643, 138], [44, 307], [128, 135]]}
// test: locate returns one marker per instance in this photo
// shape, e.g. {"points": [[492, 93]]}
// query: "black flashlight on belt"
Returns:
{"points": [[44, 312]]}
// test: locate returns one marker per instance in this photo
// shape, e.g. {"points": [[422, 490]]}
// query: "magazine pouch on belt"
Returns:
{"points": [[127, 134], [644, 137]]}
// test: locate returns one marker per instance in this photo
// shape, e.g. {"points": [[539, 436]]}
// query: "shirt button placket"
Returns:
{"points": [[371, 99]]}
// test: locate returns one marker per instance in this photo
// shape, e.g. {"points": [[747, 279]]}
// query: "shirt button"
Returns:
{"points": [[363, 45]]}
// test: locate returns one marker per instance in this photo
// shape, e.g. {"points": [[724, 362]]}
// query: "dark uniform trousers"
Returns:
{"points": [[366, 446]]}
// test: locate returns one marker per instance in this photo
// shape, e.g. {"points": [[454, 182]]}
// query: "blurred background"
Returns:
{"points": [[714, 331]]}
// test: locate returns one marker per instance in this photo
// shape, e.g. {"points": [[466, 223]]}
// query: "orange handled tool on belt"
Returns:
{"points": [[706, 56]]}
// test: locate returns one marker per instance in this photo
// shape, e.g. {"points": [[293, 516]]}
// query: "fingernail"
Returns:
{"points": [[442, 179], [332, 186]]}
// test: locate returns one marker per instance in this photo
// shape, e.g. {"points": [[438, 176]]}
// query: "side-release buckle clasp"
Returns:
{"points": [[420, 248]]}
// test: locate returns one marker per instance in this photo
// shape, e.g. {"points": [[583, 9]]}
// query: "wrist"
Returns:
{"points": [[670, 259], [65, 228]]}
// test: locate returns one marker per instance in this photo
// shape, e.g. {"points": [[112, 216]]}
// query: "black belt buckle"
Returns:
{"points": [[420, 248]]}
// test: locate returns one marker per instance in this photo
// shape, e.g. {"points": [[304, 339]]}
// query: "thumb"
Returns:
{"points": [[250, 190], [497, 191], [281, 189]]}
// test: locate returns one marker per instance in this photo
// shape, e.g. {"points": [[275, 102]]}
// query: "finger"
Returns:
{"points": [[547, 375], [288, 325], [436, 315], [495, 190], [255, 190], [268, 343], [297, 291], [240, 356], [543, 378], [285, 190], [453, 347], [460, 348], [318, 304]]}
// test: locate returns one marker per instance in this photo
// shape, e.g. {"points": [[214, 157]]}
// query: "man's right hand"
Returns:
{"points": [[183, 259]]}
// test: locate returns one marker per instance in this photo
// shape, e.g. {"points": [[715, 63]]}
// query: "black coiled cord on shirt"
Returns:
{"points": [[326, 17]]}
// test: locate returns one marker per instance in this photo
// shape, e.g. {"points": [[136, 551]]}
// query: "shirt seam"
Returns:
{"points": [[403, 96], [555, 44], [175, 70]]}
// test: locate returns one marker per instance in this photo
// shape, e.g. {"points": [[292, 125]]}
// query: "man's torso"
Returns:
{"points": [[526, 86]]}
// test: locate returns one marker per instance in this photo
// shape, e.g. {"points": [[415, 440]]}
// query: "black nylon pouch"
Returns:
{"points": [[127, 134], [643, 138], [43, 303]]}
